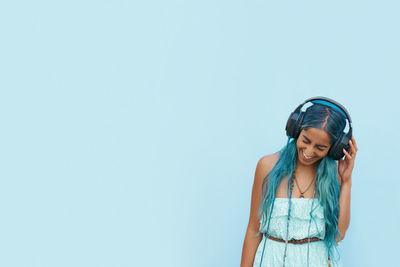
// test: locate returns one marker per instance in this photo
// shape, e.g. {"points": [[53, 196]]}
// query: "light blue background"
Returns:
{"points": [[131, 130]]}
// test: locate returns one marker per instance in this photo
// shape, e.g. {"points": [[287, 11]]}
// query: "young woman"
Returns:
{"points": [[300, 204]]}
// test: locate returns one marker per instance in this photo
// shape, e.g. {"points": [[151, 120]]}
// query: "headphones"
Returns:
{"points": [[295, 121]]}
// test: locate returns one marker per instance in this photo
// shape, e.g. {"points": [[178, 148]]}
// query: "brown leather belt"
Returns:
{"points": [[294, 241]]}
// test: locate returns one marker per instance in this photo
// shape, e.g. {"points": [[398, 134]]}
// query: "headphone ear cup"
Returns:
{"points": [[297, 128], [333, 152], [336, 151], [293, 124]]}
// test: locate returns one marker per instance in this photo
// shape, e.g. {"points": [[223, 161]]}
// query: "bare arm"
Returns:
{"points": [[345, 169], [344, 203], [251, 242]]}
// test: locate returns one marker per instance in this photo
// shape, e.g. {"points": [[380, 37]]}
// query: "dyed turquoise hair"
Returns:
{"points": [[333, 122]]}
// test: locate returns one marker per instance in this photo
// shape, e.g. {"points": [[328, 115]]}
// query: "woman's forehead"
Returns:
{"points": [[316, 135]]}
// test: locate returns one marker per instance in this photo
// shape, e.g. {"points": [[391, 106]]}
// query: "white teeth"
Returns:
{"points": [[306, 156]]}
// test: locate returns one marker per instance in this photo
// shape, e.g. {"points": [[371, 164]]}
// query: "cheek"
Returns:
{"points": [[322, 154], [298, 144]]}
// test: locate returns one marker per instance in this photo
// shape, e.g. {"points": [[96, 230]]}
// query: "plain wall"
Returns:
{"points": [[131, 130]]}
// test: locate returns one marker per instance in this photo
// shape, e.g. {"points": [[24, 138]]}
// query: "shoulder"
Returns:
{"points": [[268, 161], [265, 165]]}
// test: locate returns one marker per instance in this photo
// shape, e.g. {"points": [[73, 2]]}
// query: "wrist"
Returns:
{"points": [[346, 183]]}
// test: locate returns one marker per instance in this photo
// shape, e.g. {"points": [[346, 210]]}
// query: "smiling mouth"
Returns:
{"points": [[305, 157]]}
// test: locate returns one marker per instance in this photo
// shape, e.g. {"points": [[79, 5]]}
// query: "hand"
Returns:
{"points": [[346, 164]]}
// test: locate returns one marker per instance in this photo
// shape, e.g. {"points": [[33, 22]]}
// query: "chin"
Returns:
{"points": [[308, 162]]}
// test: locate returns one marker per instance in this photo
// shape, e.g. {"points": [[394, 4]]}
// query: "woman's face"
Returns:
{"points": [[312, 145]]}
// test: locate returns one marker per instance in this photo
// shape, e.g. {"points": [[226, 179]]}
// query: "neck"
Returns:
{"points": [[309, 170]]}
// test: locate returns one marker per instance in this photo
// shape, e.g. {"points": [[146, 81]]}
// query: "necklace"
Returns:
{"points": [[302, 193], [288, 219], [291, 185]]}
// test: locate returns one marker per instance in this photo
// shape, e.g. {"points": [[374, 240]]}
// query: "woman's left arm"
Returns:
{"points": [[345, 169]]}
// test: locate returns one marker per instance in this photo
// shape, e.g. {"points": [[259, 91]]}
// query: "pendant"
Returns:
{"points": [[301, 196]]}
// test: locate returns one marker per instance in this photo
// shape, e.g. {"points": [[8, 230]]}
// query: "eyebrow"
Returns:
{"points": [[310, 141]]}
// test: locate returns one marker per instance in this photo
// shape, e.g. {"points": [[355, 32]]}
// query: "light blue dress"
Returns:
{"points": [[296, 254]]}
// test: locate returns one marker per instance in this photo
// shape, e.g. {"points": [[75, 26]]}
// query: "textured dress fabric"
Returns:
{"points": [[296, 254]]}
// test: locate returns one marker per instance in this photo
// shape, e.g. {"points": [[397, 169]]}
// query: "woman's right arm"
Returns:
{"points": [[251, 242]]}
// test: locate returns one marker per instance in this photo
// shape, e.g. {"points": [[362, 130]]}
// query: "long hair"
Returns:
{"points": [[333, 122]]}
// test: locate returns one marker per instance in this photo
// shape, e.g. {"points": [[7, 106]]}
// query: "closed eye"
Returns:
{"points": [[306, 142]]}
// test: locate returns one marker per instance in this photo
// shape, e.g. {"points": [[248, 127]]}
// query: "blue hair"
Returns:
{"points": [[333, 122]]}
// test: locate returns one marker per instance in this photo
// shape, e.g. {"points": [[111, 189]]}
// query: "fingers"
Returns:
{"points": [[353, 141], [353, 147], [347, 154]]}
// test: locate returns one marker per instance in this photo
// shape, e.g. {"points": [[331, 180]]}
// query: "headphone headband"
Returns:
{"points": [[329, 102]]}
